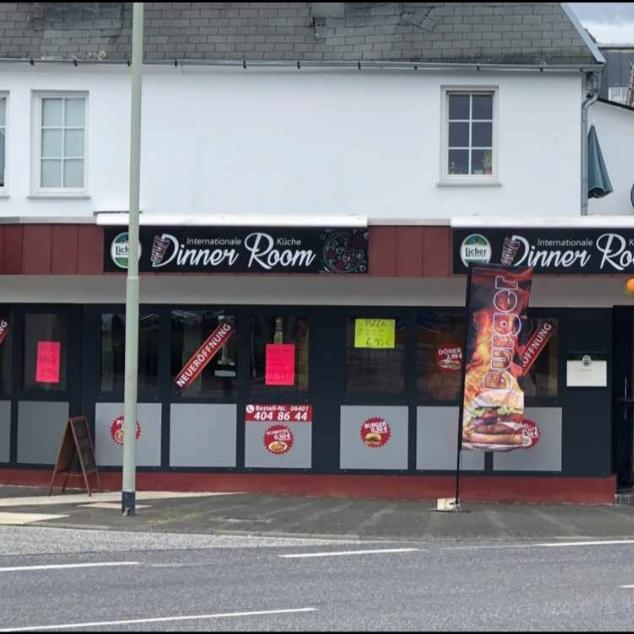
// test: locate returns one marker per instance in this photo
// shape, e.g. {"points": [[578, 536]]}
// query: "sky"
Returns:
{"points": [[609, 22]]}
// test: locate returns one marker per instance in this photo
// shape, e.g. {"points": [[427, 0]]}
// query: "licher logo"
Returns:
{"points": [[119, 250], [475, 249]]}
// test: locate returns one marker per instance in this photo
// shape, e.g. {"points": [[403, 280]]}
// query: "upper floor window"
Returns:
{"points": [[618, 94], [469, 147], [3, 129], [61, 143]]}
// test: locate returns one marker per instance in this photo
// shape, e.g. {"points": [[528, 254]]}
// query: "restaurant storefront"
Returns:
{"points": [[304, 395]]}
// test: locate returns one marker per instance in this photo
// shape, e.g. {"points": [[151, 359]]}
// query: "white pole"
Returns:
{"points": [[128, 493]]}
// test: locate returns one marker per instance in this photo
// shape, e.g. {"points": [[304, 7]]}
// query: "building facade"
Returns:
{"points": [[310, 175]]}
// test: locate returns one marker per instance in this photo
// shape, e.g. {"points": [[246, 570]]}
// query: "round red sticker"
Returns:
{"points": [[375, 432], [449, 358], [116, 430], [530, 433], [278, 439]]}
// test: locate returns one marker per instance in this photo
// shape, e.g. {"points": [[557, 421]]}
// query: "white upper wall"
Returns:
{"points": [[615, 131], [263, 141]]}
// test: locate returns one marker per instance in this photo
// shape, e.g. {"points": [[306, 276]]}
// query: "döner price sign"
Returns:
{"points": [[241, 250], [557, 250]]}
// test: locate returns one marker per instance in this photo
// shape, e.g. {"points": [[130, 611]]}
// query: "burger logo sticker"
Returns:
{"points": [[278, 439], [375, 432], [116, 430]]}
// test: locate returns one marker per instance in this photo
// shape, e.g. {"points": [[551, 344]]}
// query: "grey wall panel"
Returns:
{"points": [[202, 435], [257, 455], [355, 454], [436, 438], [108, 453], [546, 455], [5, 431], [40, 428]]}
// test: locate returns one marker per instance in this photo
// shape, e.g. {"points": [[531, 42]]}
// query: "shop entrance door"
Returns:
{"points": [[623, 395]]}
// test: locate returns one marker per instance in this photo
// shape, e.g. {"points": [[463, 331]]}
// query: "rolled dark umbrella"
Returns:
{"points": [[599, 184]]}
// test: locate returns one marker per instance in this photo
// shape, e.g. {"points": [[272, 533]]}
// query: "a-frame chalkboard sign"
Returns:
{"points": [[76, 443]]}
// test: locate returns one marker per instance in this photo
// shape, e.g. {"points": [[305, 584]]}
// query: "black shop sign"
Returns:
{"points": [[557, 250], [240, 250]]}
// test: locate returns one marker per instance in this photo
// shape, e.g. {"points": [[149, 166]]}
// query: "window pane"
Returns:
{"points": [[481, 134], [113, 353], [375, 370], [52, 112], [458, 135], [458, 106], [51, 173], [7, 325], [292, 329], [190, 329], [74, 114], [45, 351], [74, 143], [440, 339], [482, 107], [542, 378], [458, 162], [481, 162], [51, 144], [3, 107], [73, 173]]}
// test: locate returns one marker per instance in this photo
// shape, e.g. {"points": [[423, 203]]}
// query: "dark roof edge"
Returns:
{"points": [[614, 103], [594, 49], [368, 64]]}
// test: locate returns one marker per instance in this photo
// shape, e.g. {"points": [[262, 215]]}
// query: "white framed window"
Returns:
{"points": [[469, 139], [3, 140], [618, 94], [59, 143]]}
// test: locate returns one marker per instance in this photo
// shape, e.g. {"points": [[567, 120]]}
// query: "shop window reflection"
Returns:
{"points": [[190, 329], [283, 329], [375, 370], [542, 379], [112, 370], [45, 351]]}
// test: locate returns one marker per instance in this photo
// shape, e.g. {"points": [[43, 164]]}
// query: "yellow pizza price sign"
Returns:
{"points": [[374, 333]]}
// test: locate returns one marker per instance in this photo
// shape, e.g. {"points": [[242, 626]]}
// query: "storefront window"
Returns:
{"points": [[440, 339], [279, 353], [6, 342], [45, 351], [113, 353], [191, 329], [542, 379], [375, 355]]}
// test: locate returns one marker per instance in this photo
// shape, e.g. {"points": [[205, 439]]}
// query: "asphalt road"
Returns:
{"points": [[163, 582]]}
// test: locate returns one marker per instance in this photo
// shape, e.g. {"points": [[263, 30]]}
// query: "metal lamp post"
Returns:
{"points": [[128, 492]]}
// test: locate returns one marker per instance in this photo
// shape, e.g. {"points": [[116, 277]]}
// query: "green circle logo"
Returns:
{"points": [[119, 250], [475, 249]]}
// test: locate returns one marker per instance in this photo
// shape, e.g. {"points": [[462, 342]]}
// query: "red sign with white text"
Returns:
{"points": [[449, 358], [254, 413], [280, 364], [278, 439], [207, 351], [375, 432], [116, 430], [4, 329], [47, 362], [536, 343]]}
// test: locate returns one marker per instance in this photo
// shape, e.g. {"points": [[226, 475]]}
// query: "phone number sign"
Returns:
{"points": [[277, 413]]}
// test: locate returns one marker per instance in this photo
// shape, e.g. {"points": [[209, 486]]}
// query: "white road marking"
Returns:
{"points": [[19, 519], [95, 564], [630, 586], [603, 542], [165, 619], [111, 505], [589, 543], [350, 552]]}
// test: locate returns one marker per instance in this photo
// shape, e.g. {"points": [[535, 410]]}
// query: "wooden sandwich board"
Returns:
{"points": [[76, 443]]}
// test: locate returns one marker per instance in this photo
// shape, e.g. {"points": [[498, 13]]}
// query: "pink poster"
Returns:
{"points": [[47, 362], [280, 364]]}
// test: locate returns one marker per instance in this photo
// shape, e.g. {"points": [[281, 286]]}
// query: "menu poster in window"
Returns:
{"points": [[280, 364], [448, 357], [4, 329], [374, 333], [47, 362]]}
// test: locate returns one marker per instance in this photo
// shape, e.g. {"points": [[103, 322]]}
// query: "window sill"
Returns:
{"points": [[4, 194], [467, 183], [59, 195]]}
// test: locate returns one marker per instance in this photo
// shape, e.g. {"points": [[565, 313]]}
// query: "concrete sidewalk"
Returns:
{"points": [[246, 513]]}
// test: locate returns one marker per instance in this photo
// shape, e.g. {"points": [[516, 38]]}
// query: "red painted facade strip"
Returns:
{"points": [[36, 249], [409, 251], [382, 251], [518, 489], [437, 249], [64, 246], [90, 250], [12, 260]]}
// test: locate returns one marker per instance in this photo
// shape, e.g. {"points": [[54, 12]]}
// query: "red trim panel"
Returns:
{"points": [[518, 489]]}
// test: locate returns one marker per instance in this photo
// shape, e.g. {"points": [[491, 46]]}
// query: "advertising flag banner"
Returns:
{"points": [[4, 329], [207, 351], [493, 401]]}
